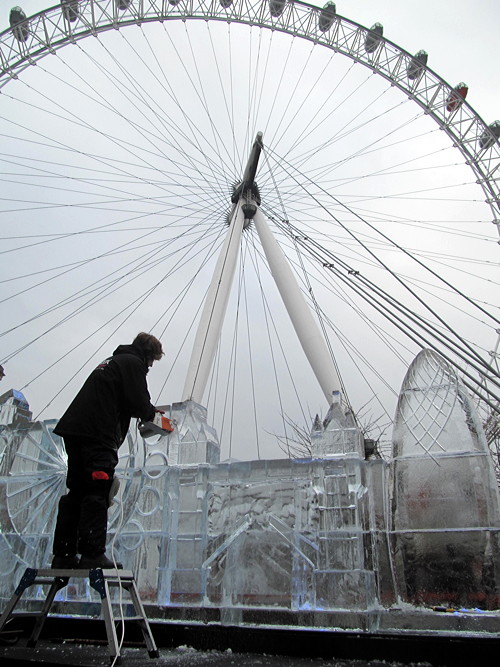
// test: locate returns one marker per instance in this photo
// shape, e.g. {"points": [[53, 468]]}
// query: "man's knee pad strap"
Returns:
{"points": [[98, 475]]}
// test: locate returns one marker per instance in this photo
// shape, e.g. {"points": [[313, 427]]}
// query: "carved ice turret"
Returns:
{"points": [[446, 510], [336, 435], [192, 440], [14, 410]]}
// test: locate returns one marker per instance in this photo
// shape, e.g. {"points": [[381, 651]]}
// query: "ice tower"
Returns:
{"points": [[444, 496]]}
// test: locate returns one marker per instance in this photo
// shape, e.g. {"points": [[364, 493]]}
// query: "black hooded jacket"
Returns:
{"points": [[113, 393]]}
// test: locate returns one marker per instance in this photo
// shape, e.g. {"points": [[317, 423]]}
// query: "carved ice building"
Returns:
{"points": [[337, 534]]}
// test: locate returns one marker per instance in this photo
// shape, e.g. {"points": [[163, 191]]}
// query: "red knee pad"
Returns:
{"points": [[99, 474]]}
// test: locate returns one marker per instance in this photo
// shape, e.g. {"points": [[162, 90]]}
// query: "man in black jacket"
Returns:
{"points": [[93, 427]]}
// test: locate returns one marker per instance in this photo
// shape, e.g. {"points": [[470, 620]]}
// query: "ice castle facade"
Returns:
{"points": [[344, 532]]}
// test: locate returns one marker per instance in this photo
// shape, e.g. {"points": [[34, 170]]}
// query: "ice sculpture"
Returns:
{"points": [[445, 496], [336, 435], [14, 410], [32, 474], [339, 536], [193, 440]]}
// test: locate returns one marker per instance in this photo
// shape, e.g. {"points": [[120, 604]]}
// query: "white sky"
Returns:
{"points": [[462, 43]]}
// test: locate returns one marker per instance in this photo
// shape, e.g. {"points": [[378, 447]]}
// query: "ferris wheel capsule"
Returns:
{"points": [[276, 7], [327, 16], [457, 96], [122, 4], [417, 64], [225, 3], [490, 135], [20, 26], [70, 10], [373, 37]]}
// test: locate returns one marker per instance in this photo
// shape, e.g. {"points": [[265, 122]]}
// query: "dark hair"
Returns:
{"points": [[150, 345]]}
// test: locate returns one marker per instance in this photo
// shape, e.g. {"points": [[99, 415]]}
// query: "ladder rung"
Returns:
{"points": [[42, 581], [83, 574]]}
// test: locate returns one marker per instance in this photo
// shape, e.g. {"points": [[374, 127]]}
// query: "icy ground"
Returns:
{"points": [[72, 654], [184, 656]]}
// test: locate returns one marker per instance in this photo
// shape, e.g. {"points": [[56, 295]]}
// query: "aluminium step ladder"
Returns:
{"points": [[101, 581]]}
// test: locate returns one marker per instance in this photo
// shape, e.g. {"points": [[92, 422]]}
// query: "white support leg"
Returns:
{"points": [[307, 330], [212, 317]]}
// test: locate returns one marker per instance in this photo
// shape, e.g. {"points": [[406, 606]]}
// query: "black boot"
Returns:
{"points": [[93, 525], [101, 561], [65, 563], [65, 533]]}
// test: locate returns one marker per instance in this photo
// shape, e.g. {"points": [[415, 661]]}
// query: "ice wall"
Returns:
{"points": [[281, 533], [445, 503]]}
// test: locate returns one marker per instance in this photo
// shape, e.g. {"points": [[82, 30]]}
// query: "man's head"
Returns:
{"points": [[150, 346]]}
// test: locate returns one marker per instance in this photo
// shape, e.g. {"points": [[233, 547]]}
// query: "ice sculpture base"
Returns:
{"points": [[403, 621], [397, 620], [225, 643]]}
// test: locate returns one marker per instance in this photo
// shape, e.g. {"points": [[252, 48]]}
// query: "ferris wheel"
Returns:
{"points": [[127, 125]]}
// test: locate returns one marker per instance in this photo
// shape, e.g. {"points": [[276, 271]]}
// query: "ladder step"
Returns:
{"points": [[84, 574], [42, 581]]}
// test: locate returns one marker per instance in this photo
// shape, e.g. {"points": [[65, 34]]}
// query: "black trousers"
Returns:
{"points": [[82, 518]]}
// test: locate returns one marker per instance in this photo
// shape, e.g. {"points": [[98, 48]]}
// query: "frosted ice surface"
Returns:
{"points": [[14, 409]]}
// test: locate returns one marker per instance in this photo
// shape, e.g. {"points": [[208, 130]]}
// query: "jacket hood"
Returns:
{"points": [[131, 349]]}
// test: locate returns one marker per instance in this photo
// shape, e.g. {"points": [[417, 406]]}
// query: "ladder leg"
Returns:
{"points": [[56, 586], [9, 609], [107, 610], [27, 579], [99, 583], [143, 623]]}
